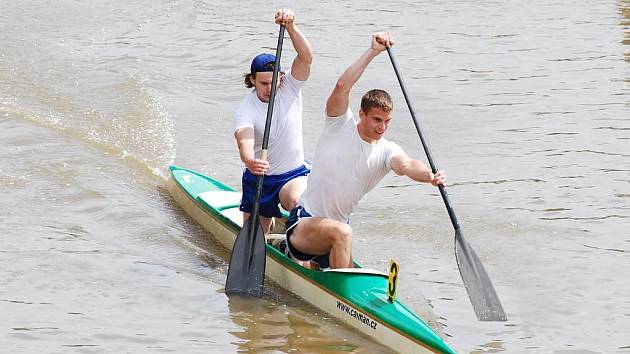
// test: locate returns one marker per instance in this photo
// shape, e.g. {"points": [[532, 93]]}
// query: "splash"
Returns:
{"points": [[139, 128], [123, 119]]}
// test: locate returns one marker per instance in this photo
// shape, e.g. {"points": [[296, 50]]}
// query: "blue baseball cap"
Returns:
{"points": [[261, 62]]}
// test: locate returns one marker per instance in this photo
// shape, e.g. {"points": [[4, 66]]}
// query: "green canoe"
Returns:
{"points": [[357, 297]]}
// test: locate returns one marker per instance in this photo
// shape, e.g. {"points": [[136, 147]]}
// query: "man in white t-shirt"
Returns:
{"points": [[351, 158], [285, 171]]}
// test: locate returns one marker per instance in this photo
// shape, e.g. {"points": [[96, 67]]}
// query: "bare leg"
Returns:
{"points": [[290, 193], [264, 221], [319, 236], [289, 196], [266, 225]]}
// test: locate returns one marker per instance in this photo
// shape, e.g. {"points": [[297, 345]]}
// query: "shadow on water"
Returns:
{"points": [[268, 326]]}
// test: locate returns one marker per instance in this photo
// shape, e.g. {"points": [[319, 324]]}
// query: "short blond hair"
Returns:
{"points": [[377, 99]]}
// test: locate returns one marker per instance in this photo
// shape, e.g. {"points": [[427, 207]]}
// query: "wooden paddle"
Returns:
{"points": [[480, 290], [246, 274]]}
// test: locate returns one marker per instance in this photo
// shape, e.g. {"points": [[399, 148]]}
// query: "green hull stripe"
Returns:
{"points": [[364, 292]]}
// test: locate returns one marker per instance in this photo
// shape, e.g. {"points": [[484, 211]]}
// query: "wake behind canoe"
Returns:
{"points": [[357, 298]]}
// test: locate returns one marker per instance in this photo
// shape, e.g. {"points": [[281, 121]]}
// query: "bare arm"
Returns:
{"points": [[301, 67], [417, 170], [245, 140], [339, 99]]}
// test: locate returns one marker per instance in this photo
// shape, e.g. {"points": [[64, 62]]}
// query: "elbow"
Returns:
{"points": [[343, 85], [402, 169], [307, 57]]}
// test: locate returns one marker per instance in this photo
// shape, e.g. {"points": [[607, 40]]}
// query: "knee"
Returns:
{"points": [[344, 234], [293, 200], [289, 201]]}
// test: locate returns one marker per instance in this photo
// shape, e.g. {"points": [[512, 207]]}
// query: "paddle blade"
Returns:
{"points": [[246, 273], [484, 299]]}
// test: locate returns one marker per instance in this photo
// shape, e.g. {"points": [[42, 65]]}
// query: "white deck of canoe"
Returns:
{"points": [[227, 203]]}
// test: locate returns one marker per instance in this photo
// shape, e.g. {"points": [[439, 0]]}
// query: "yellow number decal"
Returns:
{"points": [[392, 286]]}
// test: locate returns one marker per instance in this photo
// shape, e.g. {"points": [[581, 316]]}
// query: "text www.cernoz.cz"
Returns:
{"points": [[359, 316]]}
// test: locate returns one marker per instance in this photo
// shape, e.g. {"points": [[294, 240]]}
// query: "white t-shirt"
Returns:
{"points": [[344, 169], [285, 150]]}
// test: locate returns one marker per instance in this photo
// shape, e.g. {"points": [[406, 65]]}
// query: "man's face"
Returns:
{"points": [[262, 84], [374, 123]]}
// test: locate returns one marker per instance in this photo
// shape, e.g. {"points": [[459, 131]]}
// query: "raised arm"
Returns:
{"points": [[301, 67], [339, 99], [417, 170]]}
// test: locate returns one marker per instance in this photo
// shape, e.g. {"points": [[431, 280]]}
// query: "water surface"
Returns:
{"points": [[524, 104]]}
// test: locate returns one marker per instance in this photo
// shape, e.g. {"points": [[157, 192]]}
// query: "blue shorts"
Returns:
{"points": [[296, 214], [270, 197]]}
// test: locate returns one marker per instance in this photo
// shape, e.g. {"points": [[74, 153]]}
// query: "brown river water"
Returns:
{"points": [[525, 104]]}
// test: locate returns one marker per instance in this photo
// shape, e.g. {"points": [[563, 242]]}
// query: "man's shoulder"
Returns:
{"points": [[346, 117], [390, 149], [289, 82], [289, 76]]}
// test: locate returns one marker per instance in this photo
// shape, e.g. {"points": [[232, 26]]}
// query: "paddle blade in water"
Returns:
{"points": [[246, 274], [484, 299]]}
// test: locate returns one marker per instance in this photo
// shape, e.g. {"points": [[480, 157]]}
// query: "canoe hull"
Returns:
{"points": [[332, 292]]}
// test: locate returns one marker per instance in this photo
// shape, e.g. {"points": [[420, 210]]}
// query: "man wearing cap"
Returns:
{"points": [[285, 171]]}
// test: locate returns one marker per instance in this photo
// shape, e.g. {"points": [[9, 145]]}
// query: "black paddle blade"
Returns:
{"points": [[246, 274], [484, 299]]}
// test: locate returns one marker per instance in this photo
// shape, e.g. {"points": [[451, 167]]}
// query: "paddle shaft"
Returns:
{"points": [[484, 299], [255, 219], [425, 146]]}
